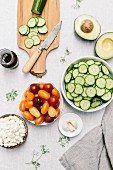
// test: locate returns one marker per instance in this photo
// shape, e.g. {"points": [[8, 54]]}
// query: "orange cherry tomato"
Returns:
{"points": [[41, 86], [28, 115], [43, 94], [57, 112], [22, 106], [45, 108], [56, 93], [39, 120], [26, 93], [29, 96], [28, 104]]}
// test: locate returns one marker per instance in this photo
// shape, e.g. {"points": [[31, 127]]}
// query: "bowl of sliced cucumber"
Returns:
{"points": [[87, 84]]}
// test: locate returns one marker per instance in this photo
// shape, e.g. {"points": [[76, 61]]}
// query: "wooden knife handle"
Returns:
{"points": [[27, 67]]}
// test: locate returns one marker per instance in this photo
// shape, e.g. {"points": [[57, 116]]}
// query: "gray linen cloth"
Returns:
{"points": [[95, 150]]}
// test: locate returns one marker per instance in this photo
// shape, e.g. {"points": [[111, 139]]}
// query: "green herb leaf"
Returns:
{"points": [[11, 96], [64, 140], [77, 3], [66, 53]]}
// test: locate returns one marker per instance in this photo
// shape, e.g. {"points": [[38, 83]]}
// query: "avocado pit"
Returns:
{"points": [[87, 26], [107, 45]]}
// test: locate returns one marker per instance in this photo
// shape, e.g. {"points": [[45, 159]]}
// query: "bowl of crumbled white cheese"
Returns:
{"points": [[13, 131]]}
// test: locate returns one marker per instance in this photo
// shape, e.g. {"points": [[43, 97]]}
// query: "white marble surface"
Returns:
{"points": [[48, 135]]}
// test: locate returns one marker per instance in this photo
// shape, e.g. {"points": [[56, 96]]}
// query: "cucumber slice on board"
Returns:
{"points": [[41, 22], [85, 104], [90, 79], [27, 31], [94, 69], [91, 91], [36, 20], [101, 83], [34, 29], [68, 77], [31, 23], [36, 40], [43, 29], [32, 34], [78, 89], [109, 83], [107, 96], [79, 80], [28, 43], [82, 68], [71, 87], [23, 30], [105, 70]]}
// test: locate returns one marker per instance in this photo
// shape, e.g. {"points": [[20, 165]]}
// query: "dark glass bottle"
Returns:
{"points": [[8, 59]]}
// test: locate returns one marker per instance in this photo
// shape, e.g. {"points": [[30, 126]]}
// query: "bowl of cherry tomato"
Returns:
{"points": [[41, 103]]}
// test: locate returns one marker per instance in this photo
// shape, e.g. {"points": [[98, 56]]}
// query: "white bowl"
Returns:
{"points": [[63, 84]]}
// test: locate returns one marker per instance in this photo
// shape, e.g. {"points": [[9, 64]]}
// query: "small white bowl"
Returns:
{"points": [[67, 117], [63, 84]]}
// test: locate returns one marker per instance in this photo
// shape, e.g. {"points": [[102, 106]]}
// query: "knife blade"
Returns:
{"points": [[45, 45]]}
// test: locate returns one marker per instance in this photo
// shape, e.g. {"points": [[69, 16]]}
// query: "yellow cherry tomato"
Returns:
{"points": [[52, 111], [34, 111]]}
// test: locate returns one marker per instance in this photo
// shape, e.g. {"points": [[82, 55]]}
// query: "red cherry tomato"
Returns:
{"points": [[45, 108], [57, 112], [28, 115], [22, 106], [34, 88], [48, 87], [29, 96], [39, 120], [57, 105], [53, 101], [56, 93], [48, 119], [43, 94]]}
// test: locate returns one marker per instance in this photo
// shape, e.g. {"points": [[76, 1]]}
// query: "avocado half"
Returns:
{"points": [[104, 46], [87, 27]]}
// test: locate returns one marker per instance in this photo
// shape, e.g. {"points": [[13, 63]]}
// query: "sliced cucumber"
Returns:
{"points": [[107, 96], [77, 104], [95, 104], [97, 63], [78, 89], [94, 69], [36, 19], [68, 77], [87, 98], [23, 30], [109, 83], [79, 80], [77, 99], [76, 65], [100, 92], [75, 73], [41, 22], [90, 79], [28, 43], [69, 96], [72, 81], [101, 83], [105, 70], [85, 104], [105, 76], [100, 74], [84, 92], [34, 29], [91, 91], [32, 34], [82, 63], [96, 99], [74, 95], [70, 68], [36, 40], [43, 29], [82, 68], [32, 22], [66, 86], [27, 31], [90, 62], [71, 87]]}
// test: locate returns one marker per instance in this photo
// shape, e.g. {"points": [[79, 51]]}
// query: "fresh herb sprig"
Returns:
{"points": [[11, 96], [64, 140], [66, 53], [77, 4], [37, 156]]}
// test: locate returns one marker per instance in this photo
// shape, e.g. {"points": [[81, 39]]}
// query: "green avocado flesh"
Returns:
{"points": [[104, 46], [87, 27]]}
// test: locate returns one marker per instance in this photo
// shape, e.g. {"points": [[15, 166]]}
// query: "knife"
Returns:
{"points": [[45, 45]]}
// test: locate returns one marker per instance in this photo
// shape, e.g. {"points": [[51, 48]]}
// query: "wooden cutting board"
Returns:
{"points": [[51, 14]]}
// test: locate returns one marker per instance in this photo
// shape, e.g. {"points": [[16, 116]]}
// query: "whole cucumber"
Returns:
{"points": [[38, 6]]}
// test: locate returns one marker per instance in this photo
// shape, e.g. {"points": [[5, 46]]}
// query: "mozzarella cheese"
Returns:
{"points": [[12, 131]]}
